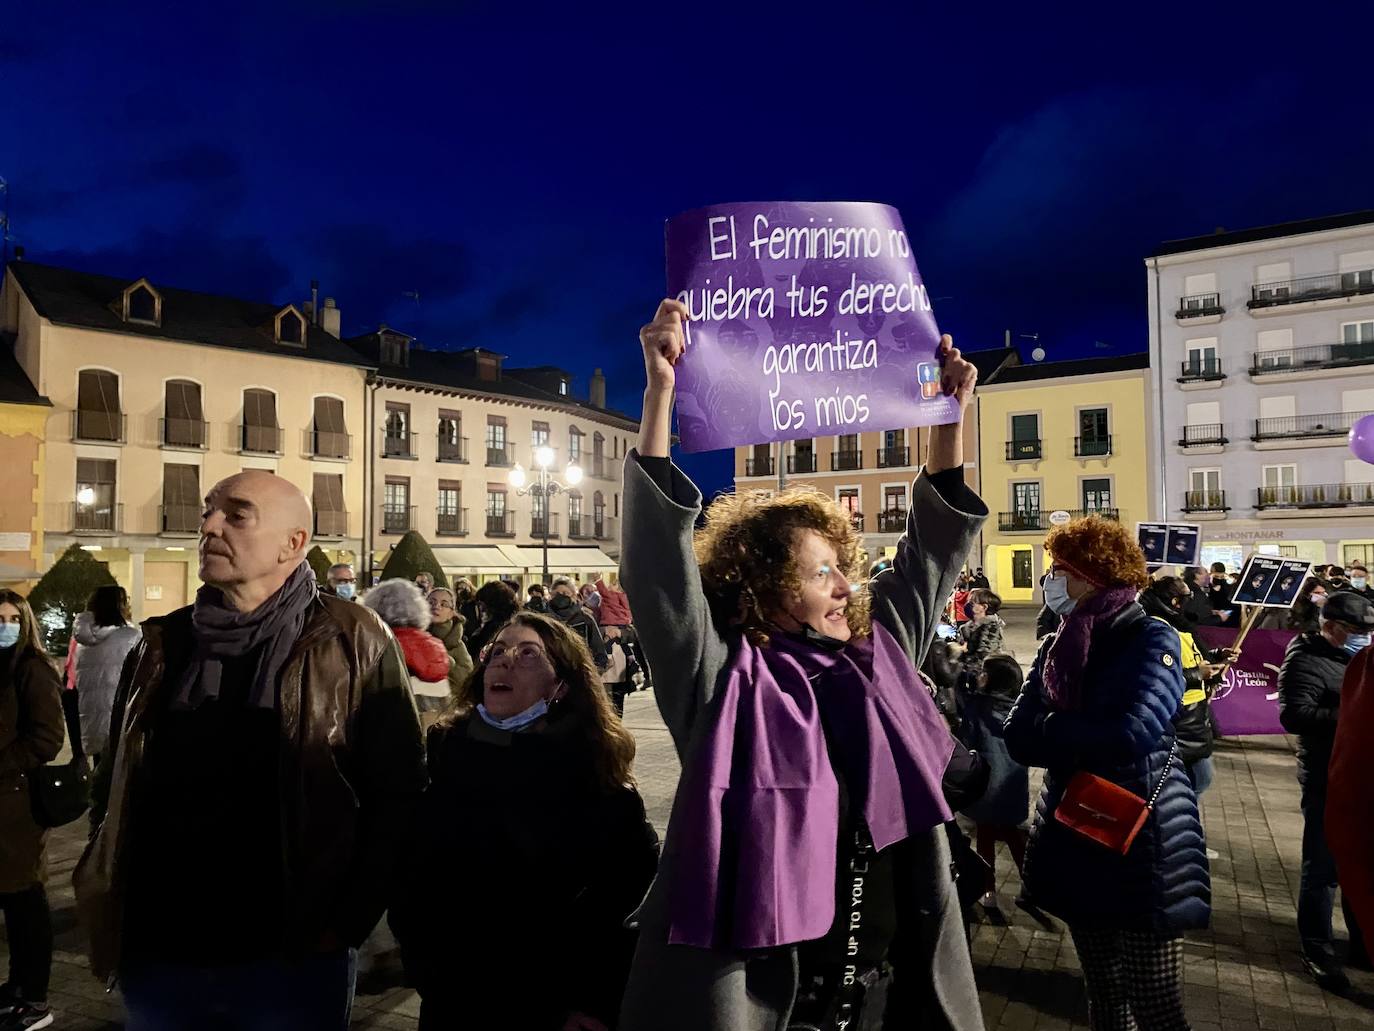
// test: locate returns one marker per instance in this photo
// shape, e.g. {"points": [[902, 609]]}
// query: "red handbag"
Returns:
{"points": [[1105, 812]]}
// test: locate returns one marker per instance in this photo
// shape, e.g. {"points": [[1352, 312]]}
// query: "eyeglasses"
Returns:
{"points": [[441, 604], [520, 655]]}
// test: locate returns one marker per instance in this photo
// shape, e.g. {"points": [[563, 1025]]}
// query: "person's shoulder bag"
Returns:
{"points": [[1106, 813], [60, 792]]}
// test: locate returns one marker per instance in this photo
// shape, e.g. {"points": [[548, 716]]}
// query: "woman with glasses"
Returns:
{"points": [[806, 877], [533, 815], [1096, 713]]}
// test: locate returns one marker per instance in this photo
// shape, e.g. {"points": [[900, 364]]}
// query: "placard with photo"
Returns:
{"points": [[1170, 544], [1154, 542], [1271, 582]]}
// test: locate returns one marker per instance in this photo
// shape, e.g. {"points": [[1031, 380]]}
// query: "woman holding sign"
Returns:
{"points": [[805, 880], [1116, 849]]}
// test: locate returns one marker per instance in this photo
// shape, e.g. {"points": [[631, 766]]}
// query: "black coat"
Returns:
{"points": [[1197, 609], [1046, 622], [519, 877], [1309, 698]]}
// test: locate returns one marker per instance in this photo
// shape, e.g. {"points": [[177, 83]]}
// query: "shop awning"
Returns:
{"points": [[477, 559], [561, 560]]}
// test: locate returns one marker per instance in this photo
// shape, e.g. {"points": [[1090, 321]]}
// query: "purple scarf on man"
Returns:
{"points": [[224, 633], [1062, 676], [760, 814]]}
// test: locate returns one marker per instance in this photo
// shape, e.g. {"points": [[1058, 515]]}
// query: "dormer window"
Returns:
{"points": [[563, 386], [395, 349], [488, 367], [290, 326], [143, 304]]}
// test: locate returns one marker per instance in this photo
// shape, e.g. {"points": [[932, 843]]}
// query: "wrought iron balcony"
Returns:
{"points": [[1205, 501], [1205, 435], [1194, 306], [803, 463], [1200, 369], [1022, 520], [846, 460], [579, 528], [891, 457], [331, 524], [501, 455], [1316, 356], [605, 528], [449, 522], [1300, 427], [398, 518], [856, 520], [188, 433], [100, 427], [398, 445], [1330, 286], [892, 520], [1315, 495], [1092, 447], [328, 444], [259, 440], [544, 525], [759, 466], [500, 524], [1024, 450], [452, 449], [96, 518], [179, 520]]}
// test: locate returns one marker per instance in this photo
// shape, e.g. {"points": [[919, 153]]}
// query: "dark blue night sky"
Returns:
{"points": [[513, 168]]}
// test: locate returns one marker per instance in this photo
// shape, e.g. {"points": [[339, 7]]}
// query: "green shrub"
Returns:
{"points": [[62, 592], [411, 556]]}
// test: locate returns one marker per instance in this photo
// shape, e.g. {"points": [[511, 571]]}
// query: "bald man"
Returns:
{"points": [[265, 756]]}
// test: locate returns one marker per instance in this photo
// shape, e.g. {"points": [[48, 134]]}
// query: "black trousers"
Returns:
{"points": [[28, 926]]}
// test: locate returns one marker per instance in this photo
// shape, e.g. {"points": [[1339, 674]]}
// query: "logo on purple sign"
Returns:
{"points": [[806, 320]]}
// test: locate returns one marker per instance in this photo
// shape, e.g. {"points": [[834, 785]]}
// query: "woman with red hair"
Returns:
{"points": [[1116, 850]]}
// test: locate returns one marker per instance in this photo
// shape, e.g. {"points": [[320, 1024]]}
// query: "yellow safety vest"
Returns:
{"points": [[1191, 655]]}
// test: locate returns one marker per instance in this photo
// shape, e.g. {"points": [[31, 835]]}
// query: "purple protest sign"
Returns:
{"points": [[1247, 700], [806, 320]]}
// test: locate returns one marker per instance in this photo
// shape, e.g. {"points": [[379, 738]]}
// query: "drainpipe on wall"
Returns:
{"points": [[369, 399], [1158, 349]]}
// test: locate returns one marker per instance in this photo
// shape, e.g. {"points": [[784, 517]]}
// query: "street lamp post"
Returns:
{"points": [[544, 486]]}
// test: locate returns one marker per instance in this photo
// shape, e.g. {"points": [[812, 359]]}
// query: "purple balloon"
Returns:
{"points": [[1362, 439]]}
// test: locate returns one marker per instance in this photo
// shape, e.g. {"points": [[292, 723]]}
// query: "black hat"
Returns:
{"points": [[1349, 607]]}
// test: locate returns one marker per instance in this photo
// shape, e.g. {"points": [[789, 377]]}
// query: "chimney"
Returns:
{"points": [[329, 318], [315, 301], [596, 391]]}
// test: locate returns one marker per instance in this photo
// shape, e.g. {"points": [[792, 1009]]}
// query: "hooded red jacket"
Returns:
{"points": [[425, 655], [1350, 793]]}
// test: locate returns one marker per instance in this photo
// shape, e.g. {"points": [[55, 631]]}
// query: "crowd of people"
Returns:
{"points": [[284, 765]]}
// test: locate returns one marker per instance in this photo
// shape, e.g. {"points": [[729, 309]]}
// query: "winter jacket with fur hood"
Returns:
{"points": [[402, 607]]}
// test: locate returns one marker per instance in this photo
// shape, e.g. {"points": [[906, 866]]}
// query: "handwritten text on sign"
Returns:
{"points": [[806, 320]]}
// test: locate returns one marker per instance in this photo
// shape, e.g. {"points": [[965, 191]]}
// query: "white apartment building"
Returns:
{"points": [[1262, 356]]}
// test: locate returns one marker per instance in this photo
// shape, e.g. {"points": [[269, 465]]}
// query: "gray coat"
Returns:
{"points": [[683, 988], [100, 654]]}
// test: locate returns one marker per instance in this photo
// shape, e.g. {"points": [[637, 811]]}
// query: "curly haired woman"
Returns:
{"points": [[1099, 701], [812, 754]]}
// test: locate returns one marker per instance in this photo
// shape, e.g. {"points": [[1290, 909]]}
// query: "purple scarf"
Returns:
{"points": [[224, 633], [1063, 673], [760, 815]]}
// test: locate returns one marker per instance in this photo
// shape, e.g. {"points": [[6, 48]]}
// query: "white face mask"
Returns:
{"points": [[519, 721], [1057, 595]]}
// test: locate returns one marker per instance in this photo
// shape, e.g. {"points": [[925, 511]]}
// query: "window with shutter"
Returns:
{"points": [[95, 494], [330, 518], [261, 434], [183, 425], [97, 406], [451, 437], [330, 437], [181, 499]]}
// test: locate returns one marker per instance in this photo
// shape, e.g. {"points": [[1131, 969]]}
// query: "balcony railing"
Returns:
{"points": [[398, 518], [328, 444], [191, 433], [1023, 450], [1092, 447], [802, 463], [1205, 501], [1316, 356], [1023, 520], [331, 524], [1298, 427], [892, 520], [579, 528], [452, 449], [394, 446], [1196, 305], [1106, 512], [606, 528], [1315, 495], [544, 525], [500, 524], [891, 457], [179, 519], [96, 519], [259, 440], [846, 460], [601, 468], [1195, 369], [856, 520], [100, 427], [450, 522], [759, 467], [500, 454], [1312, 288], [1211, 433]]}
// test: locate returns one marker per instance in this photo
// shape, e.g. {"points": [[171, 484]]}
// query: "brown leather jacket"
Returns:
{"points": [[352, 766]]}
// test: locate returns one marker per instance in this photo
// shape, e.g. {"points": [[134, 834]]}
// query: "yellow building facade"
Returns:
{"points": [[1058, 437], [23, 421]]}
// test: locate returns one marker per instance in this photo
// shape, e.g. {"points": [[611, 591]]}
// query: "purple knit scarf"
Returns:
{"points": [[759, 810], [1062, 676]]}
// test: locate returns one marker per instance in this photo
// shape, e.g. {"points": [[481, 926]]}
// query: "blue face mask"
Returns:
{"points": [[346, 591], [1356, 642], [9, 635], [1057, 595], [519, 721]]}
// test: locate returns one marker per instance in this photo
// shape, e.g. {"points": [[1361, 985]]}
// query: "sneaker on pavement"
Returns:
{"points": [[1213, 854], [27, 1017], [1327, 972]]}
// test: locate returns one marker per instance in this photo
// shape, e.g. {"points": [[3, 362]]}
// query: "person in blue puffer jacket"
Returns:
{"points": [[1100, 699]]}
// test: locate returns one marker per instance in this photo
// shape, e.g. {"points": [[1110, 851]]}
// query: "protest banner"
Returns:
{"points": [[1270, 582], [805, 320], [1171, 544], [1246, 701]]}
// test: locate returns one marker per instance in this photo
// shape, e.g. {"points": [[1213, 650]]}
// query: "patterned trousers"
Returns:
{"points": [[1134, 979]]}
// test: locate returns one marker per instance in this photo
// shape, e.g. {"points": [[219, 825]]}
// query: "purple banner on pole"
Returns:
{"points": [[806, 320], [1247, 702]]}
